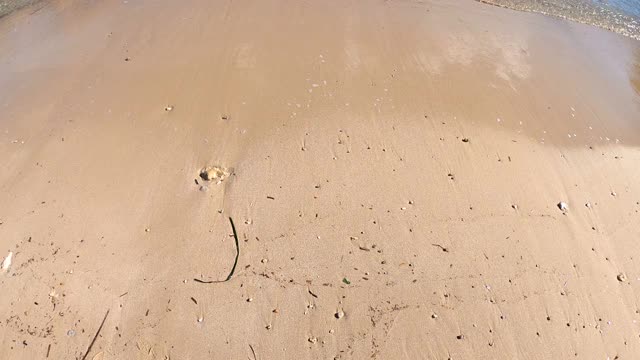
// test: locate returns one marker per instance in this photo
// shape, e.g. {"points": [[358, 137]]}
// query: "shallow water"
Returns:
{"points": [[621, 16]]}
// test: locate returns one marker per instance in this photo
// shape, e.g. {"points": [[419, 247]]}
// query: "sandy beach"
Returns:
{"points": [[407, 180]]}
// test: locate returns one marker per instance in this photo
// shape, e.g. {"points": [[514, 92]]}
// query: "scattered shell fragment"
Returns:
{"points": [[6, 263], [216, 174]]}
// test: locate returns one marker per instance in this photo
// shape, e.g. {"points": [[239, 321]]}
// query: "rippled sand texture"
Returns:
{"points": [[582, 11]]}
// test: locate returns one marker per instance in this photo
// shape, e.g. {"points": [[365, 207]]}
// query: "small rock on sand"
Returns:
{"points": [[622, 277], [563, 206], [216, 174]]}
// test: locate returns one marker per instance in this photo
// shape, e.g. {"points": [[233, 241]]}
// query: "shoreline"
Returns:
{"points": [[603, 18]]}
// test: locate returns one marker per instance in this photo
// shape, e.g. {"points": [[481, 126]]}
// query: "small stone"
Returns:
{"points": [[268, 327], [410, 202], [6, 263], [622, 277], [147, 230], [249, 299], [588, 205], [214, 173], [466, 140], [339, 314], [168, 108], [264, 261], [460, 337], [434, 316], [71, 332], [514, 207], [613, 193], [331, 331], [313, 340], [200, 319], [563, 206]]}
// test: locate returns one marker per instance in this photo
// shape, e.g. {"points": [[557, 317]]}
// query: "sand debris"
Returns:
{"points": [[215, 174]]}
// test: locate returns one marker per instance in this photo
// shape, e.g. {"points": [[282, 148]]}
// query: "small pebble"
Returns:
{"points": [[563, 206], [339, 314], [622, 277]]}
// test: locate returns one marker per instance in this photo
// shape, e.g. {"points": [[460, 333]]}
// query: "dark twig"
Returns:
{"points": [[441, 247], [235, 263], [86, 353], [254, 353], [235, 236]]}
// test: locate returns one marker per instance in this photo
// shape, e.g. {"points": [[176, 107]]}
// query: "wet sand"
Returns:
{"points": [[8, 6], [394, 174]]}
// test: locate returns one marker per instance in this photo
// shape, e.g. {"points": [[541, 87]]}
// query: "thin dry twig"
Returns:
{"points": [[86, 353]]}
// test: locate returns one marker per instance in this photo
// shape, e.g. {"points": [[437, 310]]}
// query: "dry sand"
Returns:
{"points": [[393, 169]]}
